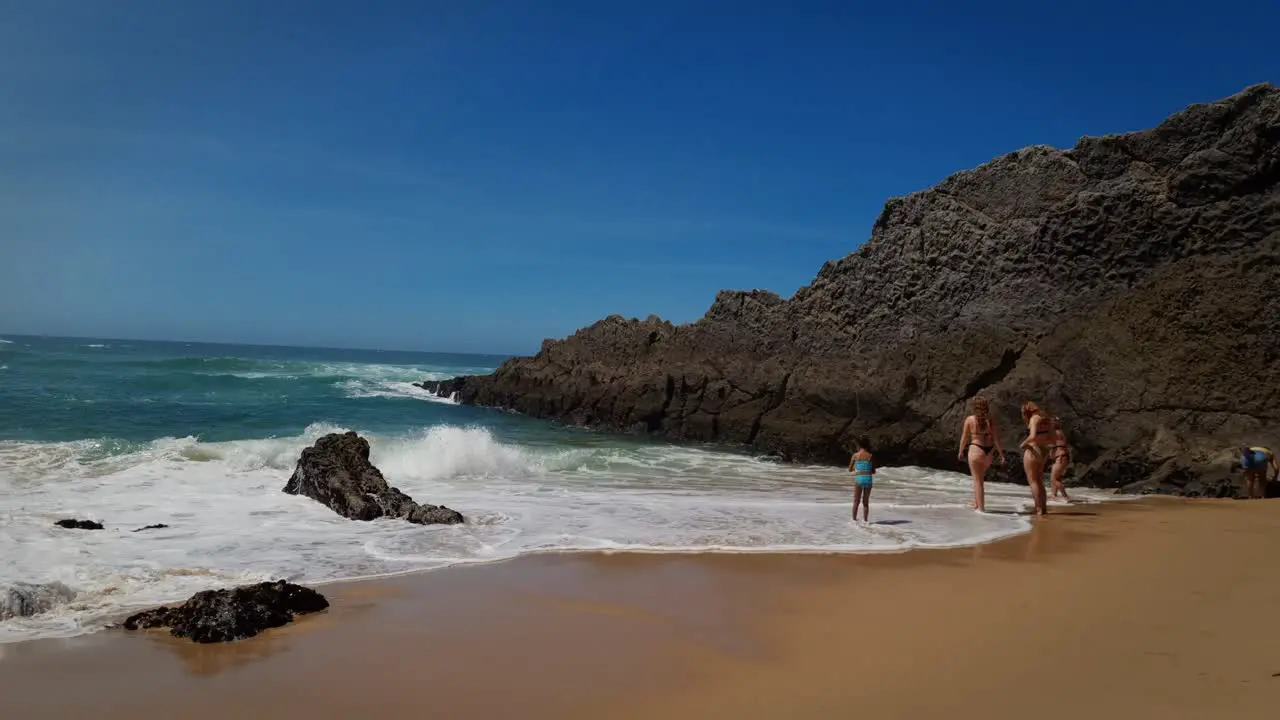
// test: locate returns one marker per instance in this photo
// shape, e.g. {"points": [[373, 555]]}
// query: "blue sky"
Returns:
{"points": [[476, 176]]}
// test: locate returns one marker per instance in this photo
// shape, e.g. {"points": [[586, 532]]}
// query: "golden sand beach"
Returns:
{"points": [[1151, 609]]}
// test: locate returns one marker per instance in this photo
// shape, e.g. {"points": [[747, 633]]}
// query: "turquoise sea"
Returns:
{"points": [[202, 438]]}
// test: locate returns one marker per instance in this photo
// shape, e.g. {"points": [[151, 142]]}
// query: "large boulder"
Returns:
{"points": [[224, 615], [336, 472], [1131, 285], [27, 599]]}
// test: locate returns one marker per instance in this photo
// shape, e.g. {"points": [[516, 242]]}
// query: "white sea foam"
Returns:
{"points": [[230, 522], [359, 380], [5, 342], [366, 388], [388, 381], [97, 346]]}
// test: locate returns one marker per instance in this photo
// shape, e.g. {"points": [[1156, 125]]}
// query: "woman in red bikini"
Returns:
{"points": [[979, 436], [1042, 430], [1060, 453]]}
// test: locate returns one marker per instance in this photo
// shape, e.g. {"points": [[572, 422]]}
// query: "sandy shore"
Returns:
{"points": [[1159, 609]]}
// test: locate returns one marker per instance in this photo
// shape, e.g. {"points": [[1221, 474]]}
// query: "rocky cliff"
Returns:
{"points": [[1130, 284]]}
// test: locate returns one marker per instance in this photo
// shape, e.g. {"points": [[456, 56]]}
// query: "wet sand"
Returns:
{"points": [[1146, 609]]}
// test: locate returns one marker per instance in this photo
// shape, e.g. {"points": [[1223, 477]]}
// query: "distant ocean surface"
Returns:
{"points": [[202, 438]]}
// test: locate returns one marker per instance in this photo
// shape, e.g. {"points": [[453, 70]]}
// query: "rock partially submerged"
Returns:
{"points": [[73, 524], [27, 599], [160, 526], [444, 388], [337, 473], [1130, 284], [225, 615]]}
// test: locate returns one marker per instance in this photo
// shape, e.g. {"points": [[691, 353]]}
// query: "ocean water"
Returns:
{"points": [[203, 438]]}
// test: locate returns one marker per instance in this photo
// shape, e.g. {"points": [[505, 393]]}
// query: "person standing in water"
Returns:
{"points": [[979, 436], [863, 468], [1060, 453], [1255, 460], [1041, 431]]}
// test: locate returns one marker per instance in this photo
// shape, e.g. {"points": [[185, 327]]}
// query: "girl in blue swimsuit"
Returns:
{"points": [[864, 470]]}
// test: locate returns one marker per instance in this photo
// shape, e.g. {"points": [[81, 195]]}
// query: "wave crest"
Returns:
{"points": [[436, 453], [448, 451], [27, 599]]}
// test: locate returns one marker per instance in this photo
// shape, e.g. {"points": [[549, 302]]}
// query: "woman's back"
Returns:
{"points": [[980, 430], [1047, 429]]}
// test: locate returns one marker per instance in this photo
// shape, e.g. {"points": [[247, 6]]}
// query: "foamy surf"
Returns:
{"points": [[378, 388], [230, 523]]}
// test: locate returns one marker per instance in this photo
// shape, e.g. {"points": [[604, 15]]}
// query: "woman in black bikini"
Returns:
{"points": [[978, 437], [1042, 430]]}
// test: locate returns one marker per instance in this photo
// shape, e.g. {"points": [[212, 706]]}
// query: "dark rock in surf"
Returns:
{"points": [[337, 473], [27, 599], [160, 526], [434, 515], [1130, 284], [225, 615], [72, 524], [444, 388]]}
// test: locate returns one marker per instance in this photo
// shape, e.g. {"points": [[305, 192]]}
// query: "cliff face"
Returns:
{"points": [[1129, 284]]}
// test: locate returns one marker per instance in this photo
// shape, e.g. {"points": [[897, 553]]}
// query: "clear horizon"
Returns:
{"points": [[183, 341], [440, 177]]}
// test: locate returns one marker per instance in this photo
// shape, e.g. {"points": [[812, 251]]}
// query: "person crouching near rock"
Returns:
{"points": [[863, 468], [1041, 431], [979, 437], [1255, 460]]}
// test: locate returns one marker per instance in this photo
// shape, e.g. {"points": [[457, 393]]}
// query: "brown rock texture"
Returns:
{"points": [[1131, 285]]}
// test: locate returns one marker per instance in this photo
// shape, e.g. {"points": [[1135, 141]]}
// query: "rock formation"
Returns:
{"points": [[1130, 284], [27, 599], [160, 526], [73, 524], [444, 388], [224, 615], [336, 472]]}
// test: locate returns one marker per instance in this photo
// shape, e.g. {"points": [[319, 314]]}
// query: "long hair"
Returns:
{"points": [[1030, 410], [981, 412], [863, 443]]}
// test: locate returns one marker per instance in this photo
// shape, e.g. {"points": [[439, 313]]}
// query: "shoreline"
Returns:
{"points": [[1132, 607], [111, 623]]}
